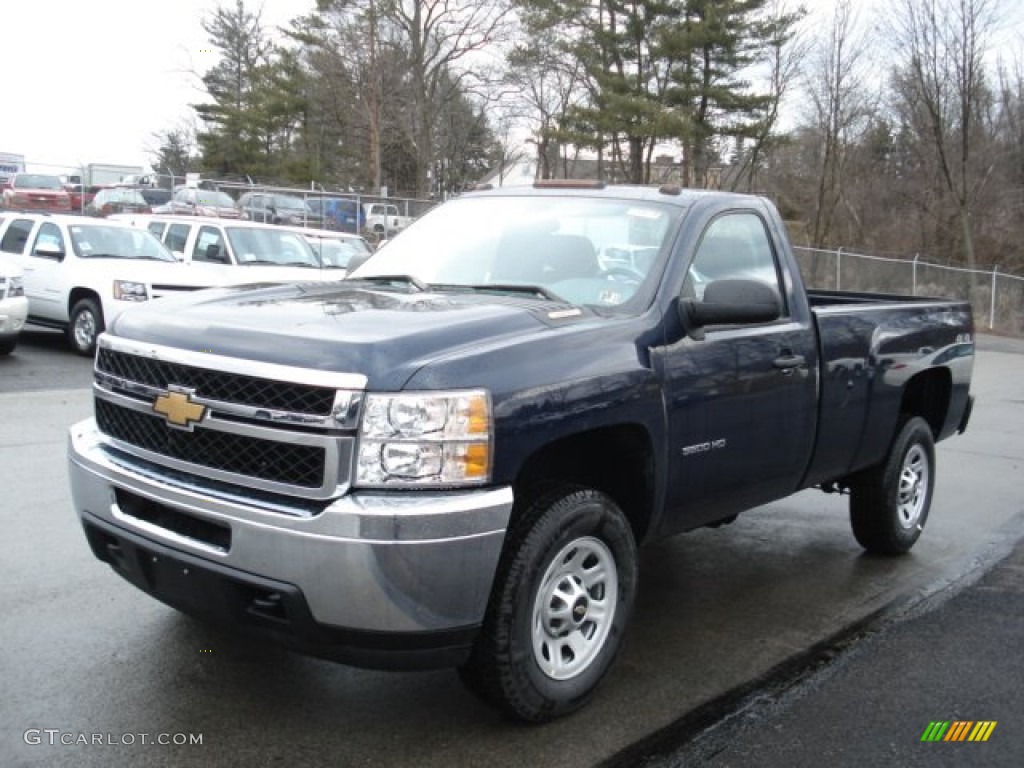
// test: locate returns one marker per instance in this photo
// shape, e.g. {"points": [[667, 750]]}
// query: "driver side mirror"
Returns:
{"points": [[730, 302], [49, 250]]}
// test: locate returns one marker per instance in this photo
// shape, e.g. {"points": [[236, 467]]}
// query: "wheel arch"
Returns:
{"points": [[78, 293], [928, 395], [617, 460]]}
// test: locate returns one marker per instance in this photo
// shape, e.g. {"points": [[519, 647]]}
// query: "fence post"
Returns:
{"points": [[839, 269], [913, 290], [992, 301]]}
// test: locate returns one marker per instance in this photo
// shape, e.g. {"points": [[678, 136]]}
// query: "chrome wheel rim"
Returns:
{"points": [[913, 489], [85, 329], [574, 608]]}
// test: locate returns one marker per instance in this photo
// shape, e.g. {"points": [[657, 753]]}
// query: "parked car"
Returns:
{"points": [[339, 213], [77, 195], [274, 208], [461, 445], [155, 196], [338, 250], [201, 202], [13, 305], [117, 200], [234, 252], [36, 192], [80, 273]]}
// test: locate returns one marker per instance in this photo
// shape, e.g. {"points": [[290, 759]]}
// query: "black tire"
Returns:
{"points": [[889, 503], [549, 636], [85, 327], [7, 345]]}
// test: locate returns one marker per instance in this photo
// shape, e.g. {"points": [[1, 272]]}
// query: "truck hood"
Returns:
{"points": [[386, 335]]}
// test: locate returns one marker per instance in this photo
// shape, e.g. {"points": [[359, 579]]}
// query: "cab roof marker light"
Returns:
{"points": [[569, 184]]}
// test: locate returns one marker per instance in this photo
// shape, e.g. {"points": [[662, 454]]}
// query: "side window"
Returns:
{"points": [[49, 234], [16, 236], [209, 247], [177, 236], [735, 245]]}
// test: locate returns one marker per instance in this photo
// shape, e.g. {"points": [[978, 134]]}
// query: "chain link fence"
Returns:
{"points": [[341, 209], [356, 217], [997, 297]]}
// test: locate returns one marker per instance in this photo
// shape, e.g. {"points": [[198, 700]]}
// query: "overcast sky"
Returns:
{"points": [[90, 81]]}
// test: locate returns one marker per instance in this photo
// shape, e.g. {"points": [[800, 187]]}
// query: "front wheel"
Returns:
{"points": [[560, 604], [889, 503], [86, 325]]}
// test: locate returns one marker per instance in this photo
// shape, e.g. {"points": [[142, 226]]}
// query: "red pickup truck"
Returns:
{"points": [[36, 192]]}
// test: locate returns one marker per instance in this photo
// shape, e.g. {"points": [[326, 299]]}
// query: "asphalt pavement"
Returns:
{"points": [[771, 642], [935, 681]]}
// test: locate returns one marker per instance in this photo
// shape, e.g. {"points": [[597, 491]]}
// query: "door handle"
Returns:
{"points": [[788, 363]]}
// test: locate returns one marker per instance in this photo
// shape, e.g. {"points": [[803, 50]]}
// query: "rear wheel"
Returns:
{"points": [[889, 503], [561, 600], [86, 325]]}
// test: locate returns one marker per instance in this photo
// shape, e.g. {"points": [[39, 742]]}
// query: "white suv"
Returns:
{"points": [[80, 273], [230, 252], [13, 307]]}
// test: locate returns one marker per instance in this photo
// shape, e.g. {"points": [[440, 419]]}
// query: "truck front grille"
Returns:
{"points": [[278, 462], [217, 385], [278, 430]]}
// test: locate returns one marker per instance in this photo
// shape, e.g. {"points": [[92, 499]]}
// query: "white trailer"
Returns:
{"points": [[104, 173]]}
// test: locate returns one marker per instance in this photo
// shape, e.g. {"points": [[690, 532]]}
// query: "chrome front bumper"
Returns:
{"points": [[412, 562]]}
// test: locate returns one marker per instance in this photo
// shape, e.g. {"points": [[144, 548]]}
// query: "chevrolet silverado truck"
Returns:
{"points": [[450, 457]]}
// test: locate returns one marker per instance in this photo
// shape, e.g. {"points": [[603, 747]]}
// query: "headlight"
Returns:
{"points": [[425, 439], [15, 287], [126, 290]]}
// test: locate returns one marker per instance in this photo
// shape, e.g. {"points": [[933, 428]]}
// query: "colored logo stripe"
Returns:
{"points": [[935, 731], [958, 730], [982, 730]]}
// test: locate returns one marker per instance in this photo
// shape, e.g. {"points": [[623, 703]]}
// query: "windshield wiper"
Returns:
{"points": [[530, 290], [406, 279]]}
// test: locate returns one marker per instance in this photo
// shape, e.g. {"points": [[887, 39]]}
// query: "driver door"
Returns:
{"points": [[741, 401]]}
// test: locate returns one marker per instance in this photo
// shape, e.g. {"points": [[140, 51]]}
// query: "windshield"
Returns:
{"points": [[291, 203], [107, 241], [254, 245], [335, 252], [214, 199], [120, 196], [36, 181], [596, 252]]}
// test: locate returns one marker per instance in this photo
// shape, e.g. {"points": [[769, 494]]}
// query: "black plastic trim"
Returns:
{"points": [[272, 609]]}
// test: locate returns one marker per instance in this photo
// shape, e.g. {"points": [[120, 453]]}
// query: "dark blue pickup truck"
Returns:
{"points": [[451, 457]]}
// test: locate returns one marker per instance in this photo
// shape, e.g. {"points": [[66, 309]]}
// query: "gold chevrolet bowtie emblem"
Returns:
{"points": [[178, 409]]}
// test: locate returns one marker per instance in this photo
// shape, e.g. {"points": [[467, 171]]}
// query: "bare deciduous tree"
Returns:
{"points": [[944, 98], [835, 85]]}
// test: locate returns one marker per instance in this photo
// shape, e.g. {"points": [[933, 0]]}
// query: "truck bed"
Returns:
{"points": [[877, 350]]}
